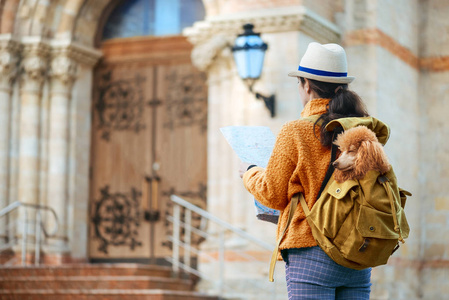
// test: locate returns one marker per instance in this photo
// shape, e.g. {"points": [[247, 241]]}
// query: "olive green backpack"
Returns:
{"points": [[358, 223]]}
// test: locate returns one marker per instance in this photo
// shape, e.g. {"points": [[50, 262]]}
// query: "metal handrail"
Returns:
{"points": [[178, 224], [220, 222], [38, 226]]}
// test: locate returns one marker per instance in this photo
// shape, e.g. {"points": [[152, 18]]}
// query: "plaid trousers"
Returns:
{"points": [[312, 274]]}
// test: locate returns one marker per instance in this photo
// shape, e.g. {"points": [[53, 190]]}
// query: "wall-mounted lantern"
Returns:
{"points": [[249, 52]]}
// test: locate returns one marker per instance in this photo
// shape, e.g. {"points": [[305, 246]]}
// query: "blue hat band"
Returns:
{"points": [[322, 73]]}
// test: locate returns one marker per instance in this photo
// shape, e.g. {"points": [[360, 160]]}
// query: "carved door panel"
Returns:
{"points": [[149, 131]]}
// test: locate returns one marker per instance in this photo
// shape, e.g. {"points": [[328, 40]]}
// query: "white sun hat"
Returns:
{"points": [[325, 63]]}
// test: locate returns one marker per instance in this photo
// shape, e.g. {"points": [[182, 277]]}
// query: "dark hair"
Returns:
{"points": [[343, 103]]}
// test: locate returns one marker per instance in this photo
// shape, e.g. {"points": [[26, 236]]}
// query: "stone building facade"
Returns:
{"points": [[397, 50]]}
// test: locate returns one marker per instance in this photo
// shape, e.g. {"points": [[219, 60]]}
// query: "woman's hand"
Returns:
{"points": [[243, 168]]}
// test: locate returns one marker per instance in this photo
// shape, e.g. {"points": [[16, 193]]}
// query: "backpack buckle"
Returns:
{"points": [[364, 245]]}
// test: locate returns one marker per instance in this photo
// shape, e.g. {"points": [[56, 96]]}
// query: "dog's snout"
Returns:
{"points": [[335, 164]]}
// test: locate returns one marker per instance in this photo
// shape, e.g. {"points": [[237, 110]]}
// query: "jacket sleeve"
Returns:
{"points": [[270, 186]]}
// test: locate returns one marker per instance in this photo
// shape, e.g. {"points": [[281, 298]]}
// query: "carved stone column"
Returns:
{"points": [[63, 72], [34, 67], [8, 71], [67, 181]]}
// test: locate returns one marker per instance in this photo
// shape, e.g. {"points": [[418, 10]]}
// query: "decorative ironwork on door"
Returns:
{"points": [[120, 104], [116, 218], [186, 100]]}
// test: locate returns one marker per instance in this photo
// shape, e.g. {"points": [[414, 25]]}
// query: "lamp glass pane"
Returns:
{"points": [[249, 59], [240, 61], [255, 59]]}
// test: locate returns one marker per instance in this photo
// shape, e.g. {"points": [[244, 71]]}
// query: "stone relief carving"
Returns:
{"points": [[34, 66], [33, 72], [268, 21], [64, 70], [9, 60], [204, 53], [76, 52]]}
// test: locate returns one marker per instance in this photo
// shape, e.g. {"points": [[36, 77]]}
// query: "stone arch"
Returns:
{"points": [[8, 13], [89, 16], [36, 20], [28, 19], [69, 17], [103, 19], [77, 18], [40, 18]]}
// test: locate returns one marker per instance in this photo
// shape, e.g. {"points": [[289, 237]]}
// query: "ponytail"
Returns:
{"points": [[343, 103]]}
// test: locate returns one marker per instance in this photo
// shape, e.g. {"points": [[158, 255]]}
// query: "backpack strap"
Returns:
{"points": [[330, 168], [383, 180], [305, 208], [293, 205], [300, 197]]}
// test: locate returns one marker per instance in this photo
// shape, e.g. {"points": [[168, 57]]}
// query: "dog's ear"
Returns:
{"points": [[380, 159], [338, 141], [370, 156], [362, 160]]}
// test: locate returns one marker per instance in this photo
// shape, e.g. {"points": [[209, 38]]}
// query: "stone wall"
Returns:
{"points": [[434, 148]]}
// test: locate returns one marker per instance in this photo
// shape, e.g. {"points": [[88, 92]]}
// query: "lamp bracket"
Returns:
{"points": [[270, 102]]}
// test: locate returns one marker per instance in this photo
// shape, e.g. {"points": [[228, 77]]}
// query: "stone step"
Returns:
{"points": [[43, 294], [86, 270], [94, 282]]}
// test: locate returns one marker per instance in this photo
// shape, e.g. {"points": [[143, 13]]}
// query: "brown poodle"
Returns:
{"points": [[360, 152]]}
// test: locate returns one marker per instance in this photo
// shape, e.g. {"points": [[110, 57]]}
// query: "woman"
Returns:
{"points": [[298, 164]]}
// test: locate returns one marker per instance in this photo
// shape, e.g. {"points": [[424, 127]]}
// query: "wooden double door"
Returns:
{"points": [[149, 130]]}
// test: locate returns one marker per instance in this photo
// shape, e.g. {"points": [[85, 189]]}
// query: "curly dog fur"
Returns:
{"points": [[360, 153]]}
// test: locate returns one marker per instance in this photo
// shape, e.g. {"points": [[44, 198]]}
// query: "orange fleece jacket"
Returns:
{"points": [[298, 164]]}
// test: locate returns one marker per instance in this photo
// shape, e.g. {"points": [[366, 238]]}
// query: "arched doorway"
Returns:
{"points": [[149, 129]]}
